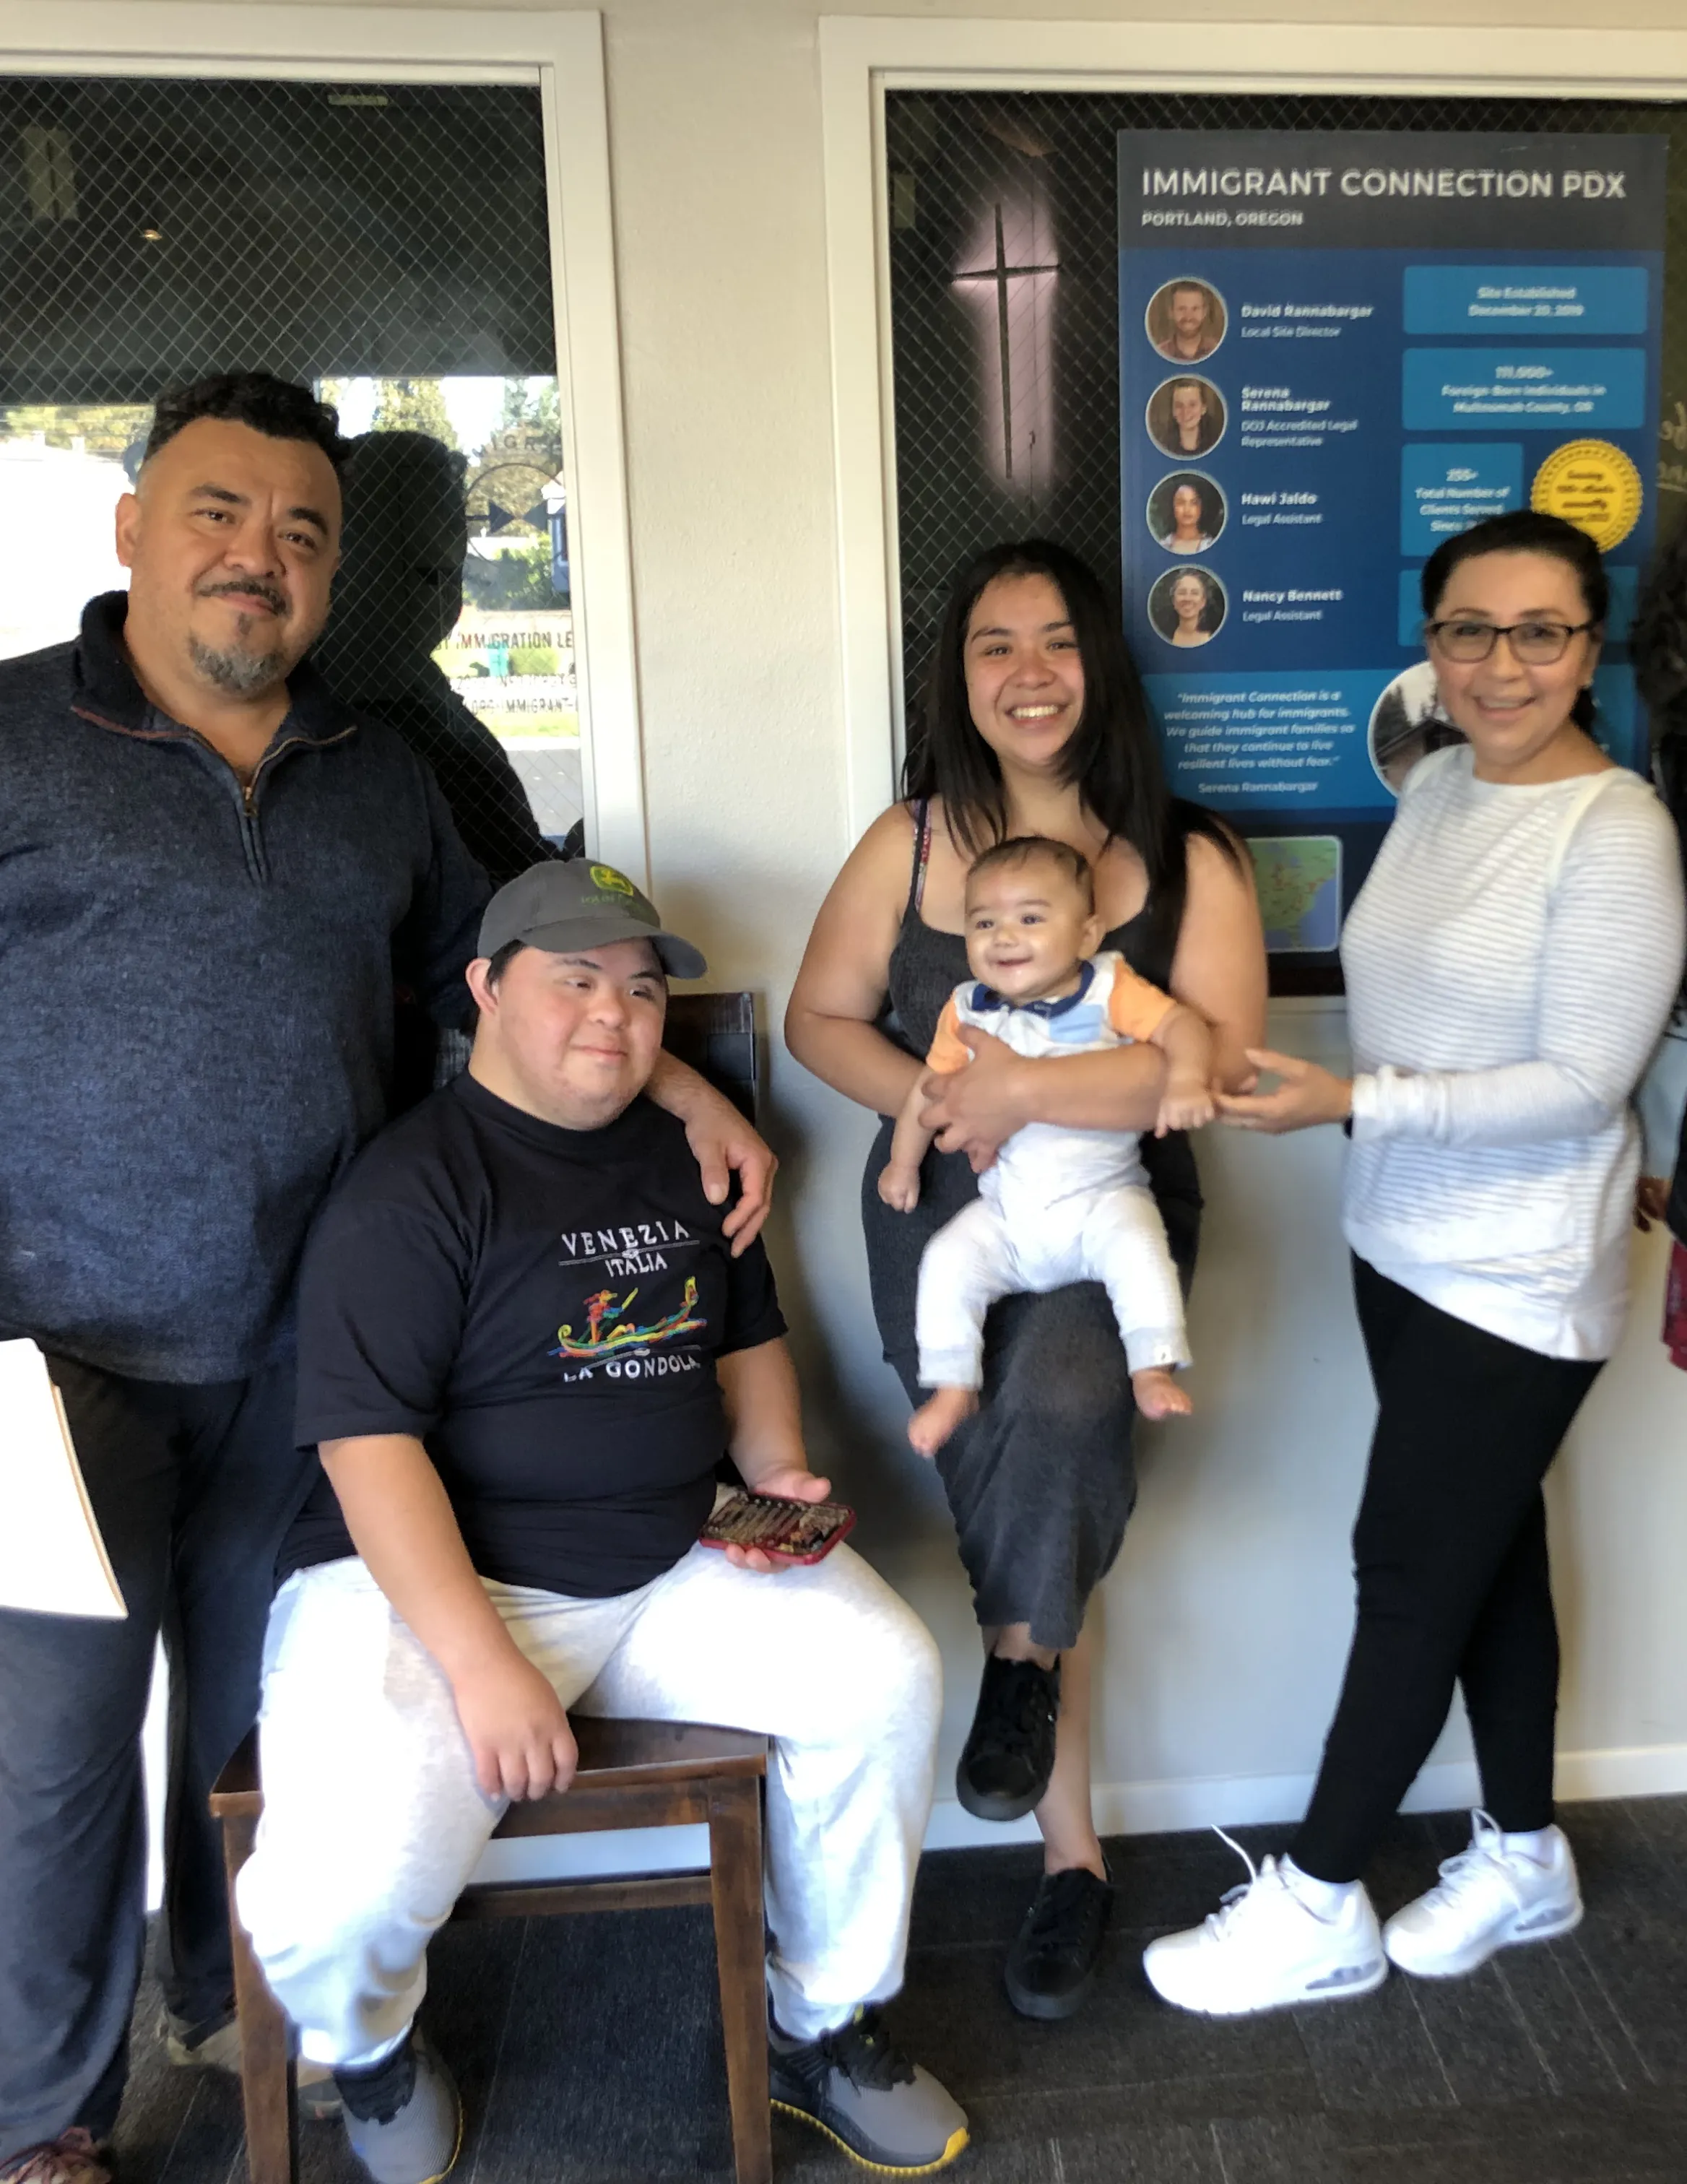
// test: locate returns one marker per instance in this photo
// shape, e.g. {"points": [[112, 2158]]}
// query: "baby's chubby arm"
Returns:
{"points": [[898, 1183], [1185, 1039]]}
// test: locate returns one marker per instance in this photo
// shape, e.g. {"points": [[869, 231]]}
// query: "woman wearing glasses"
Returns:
{"points": [[1509, 963]]}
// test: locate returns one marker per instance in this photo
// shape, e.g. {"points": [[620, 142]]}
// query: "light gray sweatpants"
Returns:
{"points": [[1113, 1236], [373, 1823]]}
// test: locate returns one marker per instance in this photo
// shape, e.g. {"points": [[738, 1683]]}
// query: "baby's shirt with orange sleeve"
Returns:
{"points": [[1112, 1006]]}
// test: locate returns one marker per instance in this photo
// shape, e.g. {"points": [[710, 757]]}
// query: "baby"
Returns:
{"points": [[1060, 1205]]}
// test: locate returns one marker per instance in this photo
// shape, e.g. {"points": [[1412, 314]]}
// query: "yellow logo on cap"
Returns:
{"points": [[612, 881]]}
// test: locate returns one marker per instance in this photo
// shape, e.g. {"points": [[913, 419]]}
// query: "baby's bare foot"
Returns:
{"points": [[1158, 1394], [939, 1416]]}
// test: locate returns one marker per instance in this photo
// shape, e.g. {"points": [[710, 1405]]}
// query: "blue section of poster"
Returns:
{"points": [[1443, 489], [1560, 299], [1566, 390], [1337, 349], [1272, 742]]}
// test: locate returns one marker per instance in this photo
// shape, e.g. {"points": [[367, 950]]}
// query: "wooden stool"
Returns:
{"points": [[631, 1774]]}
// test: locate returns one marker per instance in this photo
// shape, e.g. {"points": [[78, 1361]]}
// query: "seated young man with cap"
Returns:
{"points": [[524, 1346]]}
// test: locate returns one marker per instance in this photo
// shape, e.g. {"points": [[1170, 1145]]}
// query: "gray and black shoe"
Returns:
{"points": [[1010, 1750], [193, 2047], [884, 2111], [404, 2118], [1057, 1951]]}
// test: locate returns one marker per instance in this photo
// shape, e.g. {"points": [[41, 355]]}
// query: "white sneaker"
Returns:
{"points": [[1267, 1948], [1489, 1898]]}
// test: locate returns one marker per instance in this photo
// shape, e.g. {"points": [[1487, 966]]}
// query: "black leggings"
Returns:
{"points": [[1450, 1553]]}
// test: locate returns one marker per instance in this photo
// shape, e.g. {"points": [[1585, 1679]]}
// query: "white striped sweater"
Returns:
{"points": [[1511, 961]]}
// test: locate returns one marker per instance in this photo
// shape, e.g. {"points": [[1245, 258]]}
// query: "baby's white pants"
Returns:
{"points": [[373, 1822], [1114, 1236]]}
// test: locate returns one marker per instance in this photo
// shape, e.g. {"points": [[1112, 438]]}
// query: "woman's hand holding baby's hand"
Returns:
{"points": [[1305, 1094], [1186, 1104], [900, 1187]]}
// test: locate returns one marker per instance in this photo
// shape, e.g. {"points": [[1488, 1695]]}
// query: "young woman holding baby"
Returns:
{"points": [[1034, 723]]}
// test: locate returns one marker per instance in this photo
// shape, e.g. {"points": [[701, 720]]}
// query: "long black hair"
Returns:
{"points": [[1527, 530], [1112, 757], [1205, 492]]}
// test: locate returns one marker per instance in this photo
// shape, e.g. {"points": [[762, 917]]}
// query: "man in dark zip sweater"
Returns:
{"points": [[214, 879]]}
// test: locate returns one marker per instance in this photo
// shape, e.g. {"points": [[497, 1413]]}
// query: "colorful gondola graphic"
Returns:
{"points": [[608, 1334]]}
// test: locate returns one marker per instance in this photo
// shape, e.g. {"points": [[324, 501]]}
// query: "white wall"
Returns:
{"points": [[1226, 1618]]}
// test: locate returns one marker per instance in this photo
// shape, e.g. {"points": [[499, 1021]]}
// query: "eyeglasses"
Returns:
{"points": [[1533, 643]]}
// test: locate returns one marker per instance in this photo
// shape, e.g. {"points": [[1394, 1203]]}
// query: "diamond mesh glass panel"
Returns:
{"points": [[1005, 324], [387, 243], [1003, 276]]}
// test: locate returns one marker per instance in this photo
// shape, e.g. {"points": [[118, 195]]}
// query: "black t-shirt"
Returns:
{"points": [[543, 1307]]}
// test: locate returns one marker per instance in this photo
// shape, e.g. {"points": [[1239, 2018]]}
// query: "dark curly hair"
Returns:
{"points": [[280, 409], [1658, 645]]}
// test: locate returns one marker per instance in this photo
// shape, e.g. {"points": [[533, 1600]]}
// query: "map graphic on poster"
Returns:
{"points": [[1336, 349], [1298, 878]]}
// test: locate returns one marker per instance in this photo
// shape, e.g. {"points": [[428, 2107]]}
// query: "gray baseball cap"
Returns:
{"points": [[564, 907]]}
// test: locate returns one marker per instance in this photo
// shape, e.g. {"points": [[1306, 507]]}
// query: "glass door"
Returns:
{"points": [[389, 243]]}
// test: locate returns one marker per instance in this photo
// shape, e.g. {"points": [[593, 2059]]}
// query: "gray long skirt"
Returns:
{"points": [[1042, 1480]]}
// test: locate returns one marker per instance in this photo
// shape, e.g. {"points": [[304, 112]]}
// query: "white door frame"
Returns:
{"points": [[861, 57], [562, 54]]}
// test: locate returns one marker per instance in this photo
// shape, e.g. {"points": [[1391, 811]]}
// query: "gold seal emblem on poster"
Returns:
{"points": [[1593, 485]]}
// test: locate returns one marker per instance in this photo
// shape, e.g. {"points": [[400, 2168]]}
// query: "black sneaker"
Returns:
{"points": [[884, 2111], [1053, 1963], [1010, 1750]]}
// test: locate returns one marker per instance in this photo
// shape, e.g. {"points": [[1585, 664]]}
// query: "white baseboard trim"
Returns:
{"points": [[1637, 1771], [1139, 1808], [1125, 1808]]}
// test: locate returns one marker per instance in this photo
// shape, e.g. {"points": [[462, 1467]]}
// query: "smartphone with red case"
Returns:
{"points": [[787, 1531]]}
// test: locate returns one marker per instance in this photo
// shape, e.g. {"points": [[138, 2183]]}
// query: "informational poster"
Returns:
{"points": [[1337, 349]]}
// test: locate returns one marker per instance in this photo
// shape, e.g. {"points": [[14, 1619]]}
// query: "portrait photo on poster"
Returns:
{"points": [[1187, 606], [1186, 512], [1407, 723], [1186, 321], [1185, 417]]}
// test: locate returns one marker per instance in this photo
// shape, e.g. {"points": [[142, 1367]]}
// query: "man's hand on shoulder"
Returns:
{"points": [[517, 1727], [723, 1144], [794, 1482]]}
